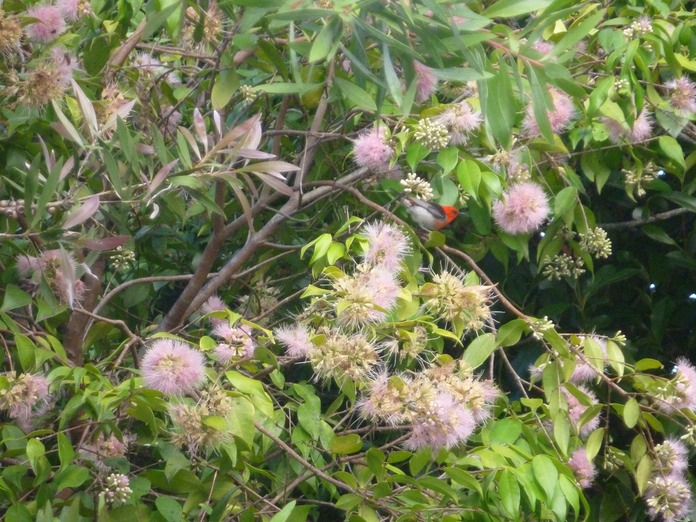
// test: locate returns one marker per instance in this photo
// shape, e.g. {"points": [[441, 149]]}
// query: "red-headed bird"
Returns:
{"points": [[429, 215]]}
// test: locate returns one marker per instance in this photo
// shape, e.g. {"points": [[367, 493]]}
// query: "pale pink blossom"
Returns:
{"points": [[460, 120], [582, 468], [48, 26], [65, 64], [371, 150], [27, 264], [214, 304], [387, 246], [682, 97], [296, 339], [426, 81], [543, 47], [521, 209], [559, 114], [671, 457], [584, 371], [385, 286], [641, 130], [668, 498], [24, 398], [446, 424], [173, 367], [684, 383], [238, 342], [73, 9], [576, 410]]}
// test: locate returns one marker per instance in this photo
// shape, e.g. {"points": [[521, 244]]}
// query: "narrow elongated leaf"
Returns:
{"points": [[83, 213]]}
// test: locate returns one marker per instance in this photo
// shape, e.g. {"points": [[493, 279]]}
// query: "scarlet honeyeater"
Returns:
{"points": [[429, 215]]}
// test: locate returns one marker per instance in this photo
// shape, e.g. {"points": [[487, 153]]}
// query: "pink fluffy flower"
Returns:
{"points": [[383, 283], [559, 115], [296, 339], [521, 209], [543, 47], [683, 95], [671, 457], [668, 498], [73, 9], [584, 371], [26, 265], [641, 130], [372, 151], [238, 342], [24, 397], [49, 23], [173, 367], [387, 246], [426, 81], [576, 410], [65, 64], [582, 468], [461, 120], [447, 424]]}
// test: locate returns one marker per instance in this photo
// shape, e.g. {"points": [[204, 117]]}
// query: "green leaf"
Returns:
{"points": [[15, 297], [509, 491], [359, 97], [65, 449], [479, 350], [631, 413], [225, 86], [545, 474], [447, 159], [505, 431], [643, 473], [284, 514], [26, 352], [540, 104], [512, 8], [671, 148], [594, 443], [648, 364], [288, 87], [169, 508], [35, 450], [511, 332], [72, 477], [346, 444], [565, 202], [326, 42], [615, 357], [656, 233]]}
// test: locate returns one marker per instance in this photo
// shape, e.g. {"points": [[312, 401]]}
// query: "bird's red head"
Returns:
{"points": [[451, 213]]}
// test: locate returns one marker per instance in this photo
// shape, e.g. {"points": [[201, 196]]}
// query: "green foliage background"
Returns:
{"points": [[254, 195]]}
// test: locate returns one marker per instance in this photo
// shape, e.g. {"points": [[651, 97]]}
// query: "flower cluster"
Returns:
{"points": [[641, 130], [25, 397], [521, 209], [191, 430], [236, 342], [173, 367], [210, 21], [122, 258], [466, 306], [431, 134], [461, 121], [372, 150], [577, 409], [563, 265], [10, 34], [559, 114], [583, 469], [596, 242], [668, 494], [682, 97], [339, 356], [58, 269], [117, 489], [680, 392], [441, 406], [417, 187], [426, 81]]}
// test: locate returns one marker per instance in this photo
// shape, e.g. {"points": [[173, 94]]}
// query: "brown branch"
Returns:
{"points": [[640, 222]]}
